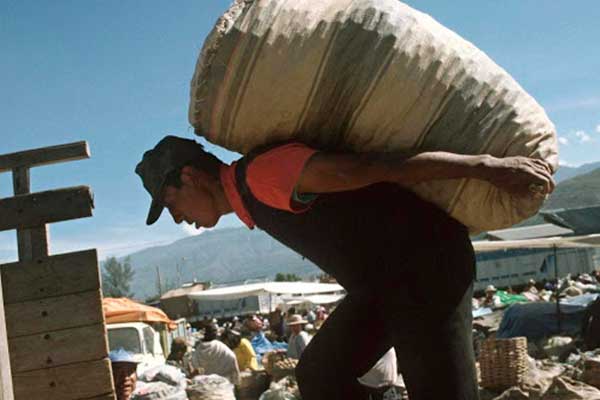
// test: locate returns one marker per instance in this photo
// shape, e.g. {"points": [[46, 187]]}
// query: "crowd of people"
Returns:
{"points": [[229, 346], [546, 290]]}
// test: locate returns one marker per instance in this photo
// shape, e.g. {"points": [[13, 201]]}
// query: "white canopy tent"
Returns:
{"points": [[262, 297], [287, 289], [317, 299], [543, 243]]}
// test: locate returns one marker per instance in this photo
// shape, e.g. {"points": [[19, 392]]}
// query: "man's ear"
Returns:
{"points": [[187, 175], [194, 176]]}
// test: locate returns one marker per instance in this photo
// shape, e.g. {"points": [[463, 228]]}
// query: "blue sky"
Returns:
{"points": [[116, 73]]}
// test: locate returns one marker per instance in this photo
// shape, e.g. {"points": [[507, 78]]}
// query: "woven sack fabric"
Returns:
{"points": [[367, 76]]}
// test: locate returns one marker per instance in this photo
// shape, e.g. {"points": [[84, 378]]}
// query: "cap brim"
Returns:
{"points": [[155, 210]]}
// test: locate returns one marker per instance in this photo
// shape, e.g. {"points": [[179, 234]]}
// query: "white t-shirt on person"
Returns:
{"points": [[214, 357]]}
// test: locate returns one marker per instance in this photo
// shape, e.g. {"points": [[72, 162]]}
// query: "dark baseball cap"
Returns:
{"points": [[170, 154]]}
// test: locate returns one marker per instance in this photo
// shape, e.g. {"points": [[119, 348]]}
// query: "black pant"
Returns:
{"points": [[422, 308]]}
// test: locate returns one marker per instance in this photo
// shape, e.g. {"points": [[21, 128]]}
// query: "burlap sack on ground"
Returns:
{"points": [[564, 388], [367, 75]]}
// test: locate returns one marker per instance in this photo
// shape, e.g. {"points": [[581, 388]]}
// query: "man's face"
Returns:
{"points": [[195, 201], [125, 377], [296, 329]]}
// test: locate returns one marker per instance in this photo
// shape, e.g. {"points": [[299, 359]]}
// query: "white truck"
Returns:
{"points": [[140, 339]]}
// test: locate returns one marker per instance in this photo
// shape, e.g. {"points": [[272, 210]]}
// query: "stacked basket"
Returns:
{"points": [[503, 362], [283, 368]]}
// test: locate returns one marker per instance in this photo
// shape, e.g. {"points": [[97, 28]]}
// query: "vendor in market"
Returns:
{"points": [[124, 372], [491, 299], [299, 338], [211, 356], [244, 352], [180, 357]]}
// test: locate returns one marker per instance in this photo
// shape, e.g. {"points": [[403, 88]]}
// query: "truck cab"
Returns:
{"points": [[140, 339]]}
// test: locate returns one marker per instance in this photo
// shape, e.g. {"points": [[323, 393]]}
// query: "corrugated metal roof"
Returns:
{"points": [[583, 220], [529, 232], [182, 291]]}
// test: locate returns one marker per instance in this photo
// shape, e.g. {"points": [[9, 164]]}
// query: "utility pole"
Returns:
{"points": [[158, 283], [557, 291]]}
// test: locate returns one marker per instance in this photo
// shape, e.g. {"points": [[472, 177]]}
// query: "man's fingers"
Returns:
{"points": [[546, 165]]}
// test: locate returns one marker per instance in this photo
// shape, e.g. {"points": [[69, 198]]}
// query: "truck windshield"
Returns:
{"points": [[126, 338]]}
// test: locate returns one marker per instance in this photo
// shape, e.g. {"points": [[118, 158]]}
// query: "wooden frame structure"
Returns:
{"points": [[54, 332]]}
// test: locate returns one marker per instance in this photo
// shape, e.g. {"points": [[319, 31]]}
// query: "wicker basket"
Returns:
{"points": [[503, 362], [591, 372], [283, 368], [270, 358]]}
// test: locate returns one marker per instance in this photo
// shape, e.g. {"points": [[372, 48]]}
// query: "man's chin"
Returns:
{"points": [[207, 225]]}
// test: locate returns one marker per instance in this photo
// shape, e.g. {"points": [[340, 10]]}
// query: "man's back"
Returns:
{"points": [[214, 357]]}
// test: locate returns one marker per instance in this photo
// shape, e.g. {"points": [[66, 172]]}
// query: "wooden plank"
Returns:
{"points": [[36, 209], [54, 313], [56, 275], [69, 382], [57, 348], [32, 242], [45, 156], [6, 386]]}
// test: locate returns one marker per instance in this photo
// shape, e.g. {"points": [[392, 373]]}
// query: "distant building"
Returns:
{"points": [[176, 303], [515, 266]]}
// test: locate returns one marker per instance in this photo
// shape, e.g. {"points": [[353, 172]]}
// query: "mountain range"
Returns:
{"points": [[237, 254]]}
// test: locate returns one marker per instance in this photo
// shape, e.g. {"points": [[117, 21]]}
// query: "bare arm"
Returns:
{"points": [[331, 172]]}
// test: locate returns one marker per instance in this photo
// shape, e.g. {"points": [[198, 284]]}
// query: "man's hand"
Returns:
{"points": [[520, 176]]}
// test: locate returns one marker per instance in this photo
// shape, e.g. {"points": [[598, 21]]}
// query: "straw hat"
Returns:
{"points": [[490, 288], [296, 319]]}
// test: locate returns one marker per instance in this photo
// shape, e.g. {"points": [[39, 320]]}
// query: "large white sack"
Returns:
{"points": [[367, 75]]}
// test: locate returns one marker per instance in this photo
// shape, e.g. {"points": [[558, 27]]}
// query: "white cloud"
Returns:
{"points": [[598, 128], [563, 140], [564, 163], [191, 229], [582, 136]]}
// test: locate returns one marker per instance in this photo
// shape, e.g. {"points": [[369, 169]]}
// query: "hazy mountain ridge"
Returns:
{"points": [[565, 172], [237, 254], [221, 255]]}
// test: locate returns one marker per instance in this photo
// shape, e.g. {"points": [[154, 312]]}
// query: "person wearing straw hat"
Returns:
{"points": [[491, 299], [299, 338], [354, 216]]}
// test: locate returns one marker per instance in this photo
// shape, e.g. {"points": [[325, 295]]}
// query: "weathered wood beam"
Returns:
{"points": [[69, 382], [54, 313], [53, 349], [56, 275], [32, 243], [6, 385], [36, 209], [45, 156]]}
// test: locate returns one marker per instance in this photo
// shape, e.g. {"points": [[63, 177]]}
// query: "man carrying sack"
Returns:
{"points": [[351, 215]]}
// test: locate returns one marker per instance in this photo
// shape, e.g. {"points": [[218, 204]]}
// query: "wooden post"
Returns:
{"points": [[6, 387], [32, 243], [53, 342]]}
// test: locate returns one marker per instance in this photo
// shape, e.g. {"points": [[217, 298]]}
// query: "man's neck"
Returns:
{"points": [[223, 204]]}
